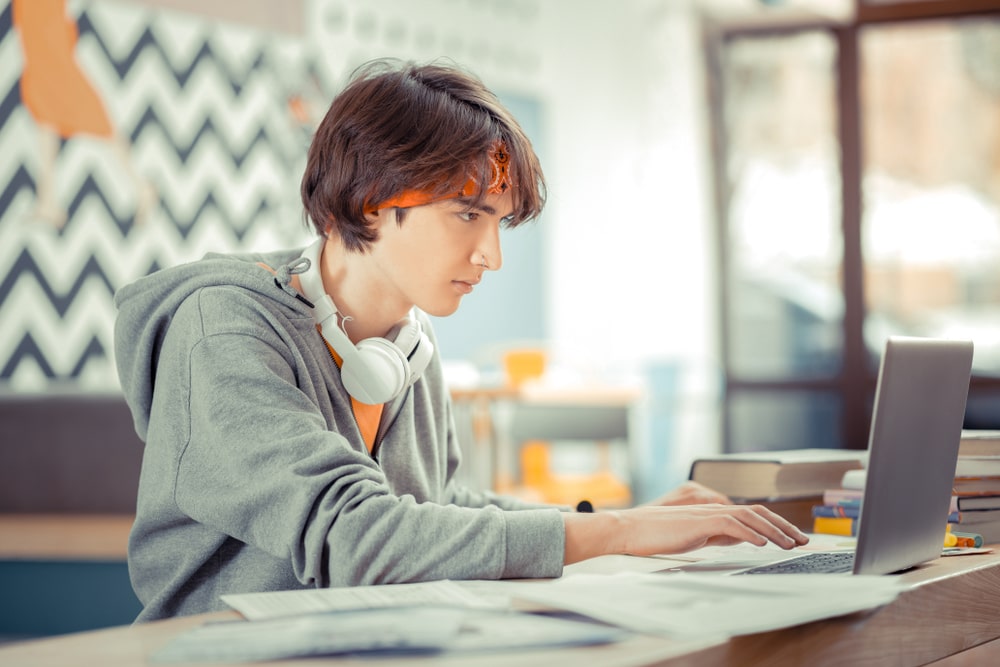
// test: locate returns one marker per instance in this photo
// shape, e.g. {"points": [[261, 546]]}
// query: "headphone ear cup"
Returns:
{"points": [[416, 347], [378, 374], [420, 358], [405, 335]]}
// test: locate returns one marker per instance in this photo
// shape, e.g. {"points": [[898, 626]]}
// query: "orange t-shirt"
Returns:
{"points": [[366, 416]]}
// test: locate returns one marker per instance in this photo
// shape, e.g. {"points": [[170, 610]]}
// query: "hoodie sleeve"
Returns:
{"points": [[258, 461]]}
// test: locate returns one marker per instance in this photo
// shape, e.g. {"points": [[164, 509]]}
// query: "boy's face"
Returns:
{"points": [[435, 256]]}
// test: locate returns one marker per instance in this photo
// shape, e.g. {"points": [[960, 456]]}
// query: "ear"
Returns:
{"points": [[376, 219]]}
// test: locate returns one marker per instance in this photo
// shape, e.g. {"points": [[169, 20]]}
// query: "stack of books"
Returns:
{"points": [[838, 513], [789, 482], [974, 515], [975, 501]]}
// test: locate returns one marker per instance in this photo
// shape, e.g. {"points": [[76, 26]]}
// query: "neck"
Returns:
{"points": [[349, 279]]}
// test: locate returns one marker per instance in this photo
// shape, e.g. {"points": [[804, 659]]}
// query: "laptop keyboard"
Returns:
{"points": [[823, 562]]}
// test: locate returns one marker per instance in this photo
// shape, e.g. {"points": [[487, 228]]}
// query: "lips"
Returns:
{"points": [[465, 286]]}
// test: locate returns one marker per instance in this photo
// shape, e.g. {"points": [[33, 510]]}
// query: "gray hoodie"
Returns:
{"points": [[255, 476]]}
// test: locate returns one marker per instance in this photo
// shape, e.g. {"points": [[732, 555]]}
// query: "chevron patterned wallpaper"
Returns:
{"points": [[208, 157], [211, 126]]}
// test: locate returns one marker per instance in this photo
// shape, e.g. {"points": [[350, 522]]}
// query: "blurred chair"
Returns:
{"points": [[533, 428]]}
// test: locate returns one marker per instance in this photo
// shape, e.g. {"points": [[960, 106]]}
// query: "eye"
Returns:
{"points": [[469, 216]]}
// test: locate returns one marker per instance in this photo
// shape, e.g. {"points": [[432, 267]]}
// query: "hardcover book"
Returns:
{"points": [[848, 511], [979, 442], [963, 503], [776, 475], [828, 525], [976, 486]]}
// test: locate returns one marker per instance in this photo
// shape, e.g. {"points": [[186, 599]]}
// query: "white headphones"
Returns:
{"points": [[377, 370]]}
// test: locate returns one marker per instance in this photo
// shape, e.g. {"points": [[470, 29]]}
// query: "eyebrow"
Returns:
{"points": [[484, 208]]}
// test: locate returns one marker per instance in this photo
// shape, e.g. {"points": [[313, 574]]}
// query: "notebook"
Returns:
{"points": [[916, 427]]}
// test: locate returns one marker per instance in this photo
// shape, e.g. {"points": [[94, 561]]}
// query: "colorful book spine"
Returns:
{"points": [[849, 510], [835, 525], [842, 496], [853, 511]]}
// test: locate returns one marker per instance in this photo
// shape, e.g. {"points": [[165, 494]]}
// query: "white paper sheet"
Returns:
{"points": [[312, 635], [419, 630], [689, 605], [274, 604]]}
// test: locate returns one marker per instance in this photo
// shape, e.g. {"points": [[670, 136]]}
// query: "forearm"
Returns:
{"points": [[649, 530]]}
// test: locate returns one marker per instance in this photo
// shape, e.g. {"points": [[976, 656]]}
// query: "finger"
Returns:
{"points": [[772, 526], [739, 525], [784, 524]]}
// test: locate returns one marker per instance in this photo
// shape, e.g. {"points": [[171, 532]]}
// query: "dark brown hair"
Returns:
{"points": [[400, 126]]}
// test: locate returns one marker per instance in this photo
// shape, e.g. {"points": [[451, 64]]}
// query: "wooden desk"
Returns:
{"points": [[64, 536], [952, 606]]}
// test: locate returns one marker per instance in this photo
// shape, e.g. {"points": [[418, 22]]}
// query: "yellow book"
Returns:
{"points": [[835, 525]]}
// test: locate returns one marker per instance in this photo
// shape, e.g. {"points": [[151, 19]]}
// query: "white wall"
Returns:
{"points": [[631, 276], [633, 268], [631, 232]]}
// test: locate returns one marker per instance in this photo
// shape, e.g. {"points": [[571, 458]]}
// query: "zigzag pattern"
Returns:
{"points": [[203, 109]]}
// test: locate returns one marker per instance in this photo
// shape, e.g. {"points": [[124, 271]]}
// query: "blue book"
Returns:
{"points": [[851, 511]]}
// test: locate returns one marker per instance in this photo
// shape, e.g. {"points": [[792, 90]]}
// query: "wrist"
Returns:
{"points": [[591, 534]]}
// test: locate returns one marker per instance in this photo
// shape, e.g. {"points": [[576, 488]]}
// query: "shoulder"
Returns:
{"points": [[240, 294], [238, 309]]}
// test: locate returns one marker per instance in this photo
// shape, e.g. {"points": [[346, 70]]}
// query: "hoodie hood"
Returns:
{"points": [[147, 306]]}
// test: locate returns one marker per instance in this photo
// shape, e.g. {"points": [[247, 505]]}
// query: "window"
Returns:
{"points": [[931, 182], [858, 195]]}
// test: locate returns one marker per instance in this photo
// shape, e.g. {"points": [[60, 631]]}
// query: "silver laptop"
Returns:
{"points": [[912, 451]]}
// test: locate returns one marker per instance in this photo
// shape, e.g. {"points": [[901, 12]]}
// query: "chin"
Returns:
{"points": [[440, 310]]}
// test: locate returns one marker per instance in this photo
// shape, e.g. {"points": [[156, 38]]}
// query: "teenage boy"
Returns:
{"points": [[298, 429]]}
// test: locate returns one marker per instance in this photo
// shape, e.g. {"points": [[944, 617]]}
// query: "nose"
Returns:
{"points": [[490, 251]]}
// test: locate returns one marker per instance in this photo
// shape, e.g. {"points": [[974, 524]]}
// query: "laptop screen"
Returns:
{"points": [[912, 451]]}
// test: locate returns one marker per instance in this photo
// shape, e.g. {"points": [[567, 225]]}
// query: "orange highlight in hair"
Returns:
{"points": [[499, 183]]}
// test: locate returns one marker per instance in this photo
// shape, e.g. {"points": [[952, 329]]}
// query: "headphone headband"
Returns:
{"points": [[376, 370], [325, 312]]}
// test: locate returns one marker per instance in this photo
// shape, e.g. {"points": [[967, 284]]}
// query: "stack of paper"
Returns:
{"points": [[449, 616], [432, 617]]}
